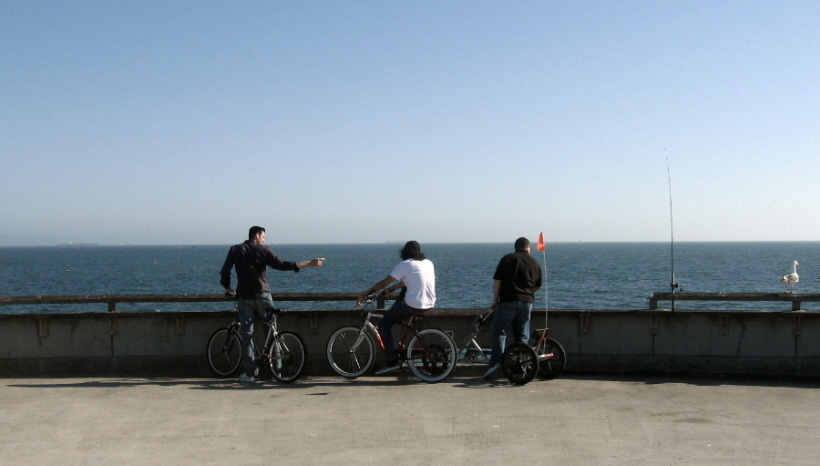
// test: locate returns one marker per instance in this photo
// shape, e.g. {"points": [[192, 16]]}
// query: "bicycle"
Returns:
{"points": [[552, 359], [544, 356], [284, 352], [521, 361], [430, 353], [470, 351]]}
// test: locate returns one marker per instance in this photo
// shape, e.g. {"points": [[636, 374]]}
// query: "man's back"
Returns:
{"points": [[520, 276], [251, 259], [419, 277]]}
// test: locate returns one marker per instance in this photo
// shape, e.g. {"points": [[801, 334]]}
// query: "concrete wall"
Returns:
{"points": [[776, 343]]}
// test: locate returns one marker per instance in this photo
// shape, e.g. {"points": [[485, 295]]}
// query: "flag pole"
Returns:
{"points": [[546, 293], [542, 246]]}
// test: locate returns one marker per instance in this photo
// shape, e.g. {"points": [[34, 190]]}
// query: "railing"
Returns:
{"points": [[797, 300], [113, 299]]}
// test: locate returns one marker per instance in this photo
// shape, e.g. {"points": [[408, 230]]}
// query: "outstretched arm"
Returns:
{"points": [[378, 286], [312, 263]]}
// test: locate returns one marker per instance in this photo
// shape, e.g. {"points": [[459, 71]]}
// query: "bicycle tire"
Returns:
{"points": [[433, 356], [550, 367], [287, 356], [224, 352], [519, 363], [348, 356]]}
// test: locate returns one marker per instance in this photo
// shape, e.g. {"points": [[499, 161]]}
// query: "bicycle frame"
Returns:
{"points": [[369, 326], [469, 349], [430, 353], [283, 351], [539, 341], [271, 333], [408, 331]]}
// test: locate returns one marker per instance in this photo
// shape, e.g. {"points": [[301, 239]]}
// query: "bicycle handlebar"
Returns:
{"points": [[372, 297], [481, 318]]}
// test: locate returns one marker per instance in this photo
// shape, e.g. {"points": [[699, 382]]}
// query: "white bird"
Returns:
{"points": [[791, 278]]}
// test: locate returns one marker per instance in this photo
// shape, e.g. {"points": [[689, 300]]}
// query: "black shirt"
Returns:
{"points": [[251, 260], [520, 276]]}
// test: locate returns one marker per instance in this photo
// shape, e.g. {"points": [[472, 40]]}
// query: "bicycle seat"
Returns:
{"points": [[414, 316]]}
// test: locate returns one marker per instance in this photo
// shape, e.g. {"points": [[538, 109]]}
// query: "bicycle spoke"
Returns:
{"points": [[432, 355], [224, 352], [287, 356], [350, 352]]}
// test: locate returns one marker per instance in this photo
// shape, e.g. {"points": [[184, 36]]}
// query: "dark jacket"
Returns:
{"points": [[251, 260], [520, 276]]}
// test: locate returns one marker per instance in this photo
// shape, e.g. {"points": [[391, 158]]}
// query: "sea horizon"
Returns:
{"points": [[271, 244], [579, 275]]}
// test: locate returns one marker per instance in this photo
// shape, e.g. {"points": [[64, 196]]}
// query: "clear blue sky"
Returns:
{"points": [[187, 122]]}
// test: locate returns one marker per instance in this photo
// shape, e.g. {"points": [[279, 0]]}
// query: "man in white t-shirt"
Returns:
{"points": [[417, 275]]}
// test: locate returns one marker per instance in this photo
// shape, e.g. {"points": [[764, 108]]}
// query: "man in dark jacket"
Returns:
{"points": [[517, 277], [251, 260]]}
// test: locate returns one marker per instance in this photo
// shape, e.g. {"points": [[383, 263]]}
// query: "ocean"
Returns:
{"points": [[579, 275]]}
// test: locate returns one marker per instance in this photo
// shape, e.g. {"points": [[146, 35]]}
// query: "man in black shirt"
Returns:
{"points": [[251, 260], [517, 277]]}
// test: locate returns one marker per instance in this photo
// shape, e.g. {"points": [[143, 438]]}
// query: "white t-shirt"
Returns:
{"points": [[420, 279]]}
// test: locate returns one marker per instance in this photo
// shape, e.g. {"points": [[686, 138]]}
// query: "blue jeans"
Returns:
{"points": [[248, 310], [398, 312], [515, 314]]}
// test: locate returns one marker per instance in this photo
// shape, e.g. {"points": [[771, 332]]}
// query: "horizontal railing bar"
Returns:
{"points": [[171, 298], [734, 296], [796, 299]]}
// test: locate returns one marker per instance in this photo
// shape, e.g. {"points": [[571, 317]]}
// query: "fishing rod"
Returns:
{"points": [[673, 283]]}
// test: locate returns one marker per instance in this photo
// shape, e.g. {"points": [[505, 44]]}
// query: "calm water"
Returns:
{"points": [[580, 275]]}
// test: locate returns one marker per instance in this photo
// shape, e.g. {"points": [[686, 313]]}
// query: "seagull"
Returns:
{"points": [[791, 278]]}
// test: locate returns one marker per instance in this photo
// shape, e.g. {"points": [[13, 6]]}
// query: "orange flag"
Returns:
{"points": [[541, 244]]}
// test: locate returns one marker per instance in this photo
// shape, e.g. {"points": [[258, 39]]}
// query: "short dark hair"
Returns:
{"points": [[412, 250], [521, 244], [255, 231]]}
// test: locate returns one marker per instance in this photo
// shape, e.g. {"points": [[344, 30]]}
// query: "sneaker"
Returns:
{"points": [[245, 378], [489, 374], [388, 369]]}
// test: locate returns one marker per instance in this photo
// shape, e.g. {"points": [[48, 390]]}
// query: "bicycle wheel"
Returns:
{"points": [[350, 352], [287, 356], [552, 359], [224, 352], [519, 363], [432, 355]]}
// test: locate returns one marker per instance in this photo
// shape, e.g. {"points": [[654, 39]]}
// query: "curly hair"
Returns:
{"points": [[412, 250]]}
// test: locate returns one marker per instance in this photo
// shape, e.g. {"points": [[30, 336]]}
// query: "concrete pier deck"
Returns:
{"points": [[396, 419]]}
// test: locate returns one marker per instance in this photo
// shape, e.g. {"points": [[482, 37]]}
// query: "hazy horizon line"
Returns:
{"points": [[386, 243]]}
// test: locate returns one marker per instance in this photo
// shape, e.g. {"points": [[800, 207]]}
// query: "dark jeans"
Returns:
{"points": [[248, 310], [398, 312], [515, 314]]}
